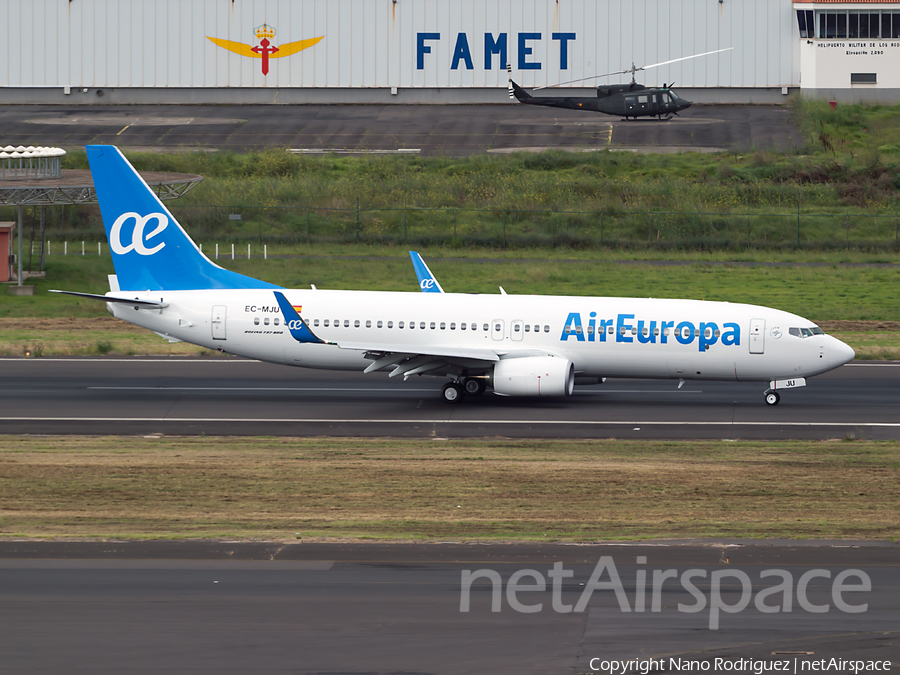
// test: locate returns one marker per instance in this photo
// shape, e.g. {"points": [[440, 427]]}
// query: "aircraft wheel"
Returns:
{"points": [[474, 386], [452, 393], [772, 398]]}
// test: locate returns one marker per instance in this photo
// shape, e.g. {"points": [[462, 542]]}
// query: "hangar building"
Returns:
{"points": [[439, 51]]}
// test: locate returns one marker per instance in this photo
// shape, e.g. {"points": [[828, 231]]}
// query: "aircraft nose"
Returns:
{"points": [[840, 352]]}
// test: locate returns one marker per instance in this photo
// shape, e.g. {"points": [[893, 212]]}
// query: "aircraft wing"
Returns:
{"points": [[427, 282], [408, 360]]}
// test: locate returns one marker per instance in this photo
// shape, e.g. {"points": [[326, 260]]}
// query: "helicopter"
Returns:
{"points": [[626, 100]]}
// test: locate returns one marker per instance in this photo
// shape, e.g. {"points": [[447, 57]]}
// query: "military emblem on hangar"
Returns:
{"points": [[265, 49]]}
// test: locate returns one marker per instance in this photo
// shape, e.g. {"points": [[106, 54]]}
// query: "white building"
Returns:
{"points": [[406, 51]]}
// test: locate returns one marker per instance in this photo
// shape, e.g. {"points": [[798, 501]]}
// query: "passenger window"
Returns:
{"points": [[379, 324], [516, 328], [611, 330], [266, 321], [546, 329], [645, 332], [537, 329], [485, 327], [315, 322], [256, 321], [696, 332], [347, 323], [568, 330], [496, 327], [391, 324], [527, 327], [443, 326], [474, 326], [432, 325], [422, 325], [399, 324], [369, 323], [326, 323], [452, 326], [276, 320], [622, 330], [412, 324], [656, 331], [462, 326], [718, 333], [590, 330], [578, 330], [633, 331], [707, 333]]}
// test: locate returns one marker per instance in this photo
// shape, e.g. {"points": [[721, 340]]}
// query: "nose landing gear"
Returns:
{"points": [[772, 398]]}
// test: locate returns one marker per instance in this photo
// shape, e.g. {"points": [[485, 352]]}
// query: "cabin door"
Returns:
{"points": [[218, 322], [757, 336]]}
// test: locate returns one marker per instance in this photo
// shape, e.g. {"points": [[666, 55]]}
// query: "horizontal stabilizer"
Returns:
{"points": [[143, 304]]}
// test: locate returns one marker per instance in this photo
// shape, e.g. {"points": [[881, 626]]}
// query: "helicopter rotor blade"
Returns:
{"points": [[634, 69], [684, 58], [592, 77]]}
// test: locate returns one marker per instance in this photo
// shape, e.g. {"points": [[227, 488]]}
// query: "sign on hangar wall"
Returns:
{"points": [[390, 43]]}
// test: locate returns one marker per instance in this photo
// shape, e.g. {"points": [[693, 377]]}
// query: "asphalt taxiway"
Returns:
{"points": [[214, 607], [241, 397], [452, 130]]}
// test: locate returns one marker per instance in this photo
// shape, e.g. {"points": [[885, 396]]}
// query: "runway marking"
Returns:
{"points": [[163, 359], [301, 420], [398, 389], [262, 389]]}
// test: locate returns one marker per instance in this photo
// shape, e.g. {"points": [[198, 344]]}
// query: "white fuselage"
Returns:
{"points": [[608, 337]]}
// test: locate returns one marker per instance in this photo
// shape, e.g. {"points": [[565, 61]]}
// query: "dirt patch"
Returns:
{"points": [[860, 326]]}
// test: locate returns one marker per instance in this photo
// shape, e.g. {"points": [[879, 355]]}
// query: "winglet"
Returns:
{"points": [[299, 330], [427, 282]]}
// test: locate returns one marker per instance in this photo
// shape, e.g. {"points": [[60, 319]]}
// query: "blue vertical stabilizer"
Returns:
{"points": [[150, 250]]}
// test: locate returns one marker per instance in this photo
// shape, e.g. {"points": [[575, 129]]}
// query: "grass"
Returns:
{"points": [[848, 167], [819, 293], [462, 490]]}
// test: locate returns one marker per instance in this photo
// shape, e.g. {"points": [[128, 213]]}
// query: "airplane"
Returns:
{"points": [[625, 100], [518, 345]]}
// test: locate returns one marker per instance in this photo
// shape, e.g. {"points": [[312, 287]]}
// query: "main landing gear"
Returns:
{"points": [[454, 392], [772, 398]]}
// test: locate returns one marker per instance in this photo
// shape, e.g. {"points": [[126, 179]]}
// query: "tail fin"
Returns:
{"points": [[150, 250], [427, 281], [515, 91]]}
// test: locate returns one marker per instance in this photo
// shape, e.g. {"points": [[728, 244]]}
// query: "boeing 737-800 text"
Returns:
{"points": [[516, 345]]}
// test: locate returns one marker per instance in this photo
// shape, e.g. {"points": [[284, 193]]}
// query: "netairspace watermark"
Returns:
{"points": [[769, 600], [795, 666]]}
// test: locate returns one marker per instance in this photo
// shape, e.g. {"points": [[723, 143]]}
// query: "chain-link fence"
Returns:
{"points": [[274, 225]]}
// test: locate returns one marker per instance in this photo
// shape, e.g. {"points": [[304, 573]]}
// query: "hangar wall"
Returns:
{"points": [[383, 50]]}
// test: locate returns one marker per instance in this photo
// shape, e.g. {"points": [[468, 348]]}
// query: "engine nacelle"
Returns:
{"points": [[534, 376]]}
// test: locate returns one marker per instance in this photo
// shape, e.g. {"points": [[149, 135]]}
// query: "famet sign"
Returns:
{"points": [[494, 46]]}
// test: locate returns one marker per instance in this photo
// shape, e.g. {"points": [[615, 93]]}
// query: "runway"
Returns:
{"points": [[226, 607], [450, 130], [234, 396]]}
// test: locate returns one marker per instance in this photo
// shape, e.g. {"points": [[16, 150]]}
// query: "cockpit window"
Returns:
{"points": [[806, 332]]}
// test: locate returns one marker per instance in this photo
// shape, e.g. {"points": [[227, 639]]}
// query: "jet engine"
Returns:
{"points": [[534, 376]]}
